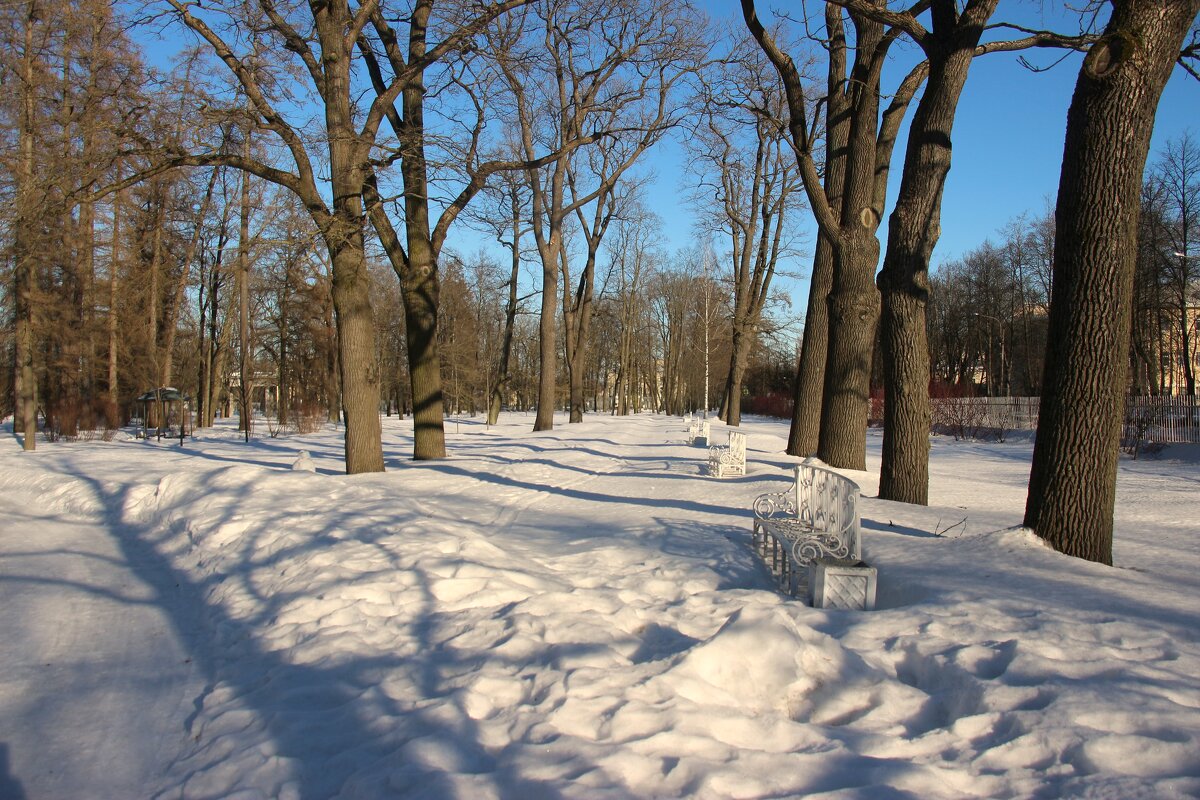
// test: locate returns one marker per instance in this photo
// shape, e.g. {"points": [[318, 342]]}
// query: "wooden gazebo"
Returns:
{"points": [[165, 404]]}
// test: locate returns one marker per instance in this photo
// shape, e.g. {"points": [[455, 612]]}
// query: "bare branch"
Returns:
{"points": [[798, 125], [293, 41]]}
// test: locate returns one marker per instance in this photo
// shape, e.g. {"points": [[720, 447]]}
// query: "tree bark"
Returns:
{"points": [[23, 256], [804, 435], [853, 299], [421, 286], [245, 345], [503, 377], [913, 232], [343, 233], [1072, 483], [853, 315]]}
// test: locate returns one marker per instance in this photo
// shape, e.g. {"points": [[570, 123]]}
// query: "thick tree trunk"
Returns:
{"points": [[853, 317], [549, 249], [422, 286], [359, 371], [731, 407], [424, 363], [343, 235], [853, 299], [913, 232], [804, 435], [1072, 484], [904, 470]]}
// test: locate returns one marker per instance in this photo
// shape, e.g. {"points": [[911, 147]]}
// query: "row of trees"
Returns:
{"points": [[325, 139], [1124, 71], [988, 309], [298, 147]]}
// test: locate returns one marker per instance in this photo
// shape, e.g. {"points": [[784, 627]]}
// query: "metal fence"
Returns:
{"points": [[1163, 420], [1159, 420]]}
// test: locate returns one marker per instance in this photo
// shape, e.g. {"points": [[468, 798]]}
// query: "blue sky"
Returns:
{"points": [[1008, 142]]}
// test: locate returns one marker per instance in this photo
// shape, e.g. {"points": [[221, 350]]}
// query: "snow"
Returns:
{"points": [[574, 614]]}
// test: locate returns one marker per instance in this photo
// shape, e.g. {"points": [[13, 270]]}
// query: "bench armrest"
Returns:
{"points": [[775, 504]]}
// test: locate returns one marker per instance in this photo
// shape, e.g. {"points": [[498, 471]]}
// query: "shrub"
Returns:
{"points": [[774, 404]]}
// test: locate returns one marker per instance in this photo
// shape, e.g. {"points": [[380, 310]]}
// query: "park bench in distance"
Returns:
{"points": [[730, 458]]}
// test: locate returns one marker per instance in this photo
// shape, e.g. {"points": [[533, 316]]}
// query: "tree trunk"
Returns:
{"points": [[343, 234], [853, 315], [804, 436], [245, 345], [853, 299], [579, 323], [1072, 484], [510, 317], [358, 369], [810, 371], [731, 408], [913, 232], [547, 347], [421, 285], [23, 246]]}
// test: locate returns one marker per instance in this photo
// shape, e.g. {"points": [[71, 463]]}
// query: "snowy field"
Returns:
{"points": [[574, 614]]}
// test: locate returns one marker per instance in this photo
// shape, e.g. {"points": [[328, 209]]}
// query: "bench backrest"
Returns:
{"points": [[737, 447], [829, 502]]}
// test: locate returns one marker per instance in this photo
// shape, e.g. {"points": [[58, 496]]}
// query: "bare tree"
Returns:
{"points": [[25, 380], [501, 216], [749, 181], [1177, 173], [849, 227], [633, 261], [1072, 484], [576, 72], [320, 41], [949, 46]]}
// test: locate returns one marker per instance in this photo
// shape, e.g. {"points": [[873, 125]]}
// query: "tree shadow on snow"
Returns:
{"points": [[329, 722]]}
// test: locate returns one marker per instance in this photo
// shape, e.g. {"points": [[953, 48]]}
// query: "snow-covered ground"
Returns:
{"points": [[574, 614]]}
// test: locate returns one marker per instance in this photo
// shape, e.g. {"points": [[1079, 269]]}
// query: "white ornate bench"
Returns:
{"points": [[816, 518], [728, 459], [698, 431]]}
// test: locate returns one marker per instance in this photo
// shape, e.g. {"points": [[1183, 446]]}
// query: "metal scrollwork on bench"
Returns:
{"points": [[775, 504]]}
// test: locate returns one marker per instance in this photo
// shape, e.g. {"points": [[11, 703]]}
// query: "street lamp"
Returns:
{"points": [[1000, 331]]}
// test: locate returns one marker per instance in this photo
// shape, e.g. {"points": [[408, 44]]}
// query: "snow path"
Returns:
{"points": [[100, 663], [576, 614]]}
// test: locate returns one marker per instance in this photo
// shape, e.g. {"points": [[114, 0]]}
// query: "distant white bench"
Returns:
{"points": [[730, 458], [699, 431], [816, 518]]}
